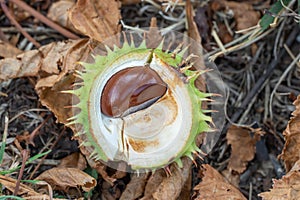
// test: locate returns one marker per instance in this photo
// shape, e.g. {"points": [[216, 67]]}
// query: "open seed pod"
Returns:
{"points": [[140, 105]]}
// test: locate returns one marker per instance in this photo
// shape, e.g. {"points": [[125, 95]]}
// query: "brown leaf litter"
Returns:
{"points": [[215, 186], [58, 12], [242, 147], [290, 153], [53, 64], [65, 178], [96, 19], [242, 151], [288, 186], [25, 191], [243, 12]]}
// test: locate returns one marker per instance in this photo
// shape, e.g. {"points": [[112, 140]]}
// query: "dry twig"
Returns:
{"points": [[45, 20]]}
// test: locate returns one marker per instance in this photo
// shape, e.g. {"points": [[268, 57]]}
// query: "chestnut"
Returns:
{"points": [[130, 90]]}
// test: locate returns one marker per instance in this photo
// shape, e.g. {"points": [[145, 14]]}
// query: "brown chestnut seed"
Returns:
{"points": [[130, 90]]}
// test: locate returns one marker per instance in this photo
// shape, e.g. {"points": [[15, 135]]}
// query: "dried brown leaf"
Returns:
{"points": [[8, 51], [244, 13], [96, 19], [192, 27], [10, 184], [65, 178], [242, 147], [25, 64], [53, 64], [49, 86], [288, 187], [75, 160], [215, 186], [160, 186], [290, 153], [49, 59], [153, 183], [135, 188], [58, 12], [171, 186]]}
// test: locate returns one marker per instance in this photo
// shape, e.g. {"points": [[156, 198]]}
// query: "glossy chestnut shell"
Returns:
{"points": [[130, 90]]}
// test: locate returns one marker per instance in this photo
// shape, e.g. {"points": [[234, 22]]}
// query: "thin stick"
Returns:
{"points": [[25, 156], [18, 26], [279, 82], [45, 20]]}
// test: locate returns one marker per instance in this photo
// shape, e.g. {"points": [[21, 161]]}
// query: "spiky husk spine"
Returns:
{"points": [[200, 121]]}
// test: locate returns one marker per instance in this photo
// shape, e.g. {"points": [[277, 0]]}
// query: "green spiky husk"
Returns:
{"points": [[102, 64]]}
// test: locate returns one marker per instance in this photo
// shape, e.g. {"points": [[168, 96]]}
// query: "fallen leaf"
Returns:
{"points": [[25, 64], [171, 186], [10, 184], [50, 86], [75, 160], [58, 12], [65, 178], [161, 186], [47, 60], [192, 27], [135, 188], [290, 153], [96, 19], [243, 12], [53, 64], [153, 182], [215, 186], [8, 51], [25, 191], [288, 187], [242, 147]]}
